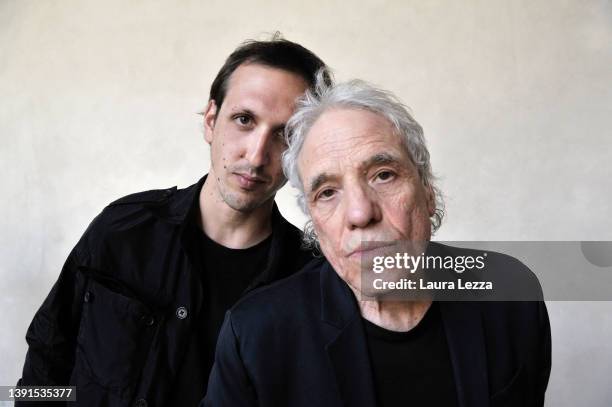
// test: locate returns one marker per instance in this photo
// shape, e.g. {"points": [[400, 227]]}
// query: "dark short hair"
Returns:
{"points": [[276, 53]]}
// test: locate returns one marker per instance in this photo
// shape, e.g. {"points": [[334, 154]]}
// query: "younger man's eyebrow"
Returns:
{"points": [[245, 111]]}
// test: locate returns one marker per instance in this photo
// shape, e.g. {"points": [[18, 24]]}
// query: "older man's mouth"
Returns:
{"points": [[370, 249]]}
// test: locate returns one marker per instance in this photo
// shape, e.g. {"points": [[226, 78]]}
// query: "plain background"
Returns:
{"points": [[99, 99]]}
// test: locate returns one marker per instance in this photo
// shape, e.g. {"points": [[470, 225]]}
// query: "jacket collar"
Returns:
{"points": [[273, 271], [181, 208], [338, 304], [348, 351]]}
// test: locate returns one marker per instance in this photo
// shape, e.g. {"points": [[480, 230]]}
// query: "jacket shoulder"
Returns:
{"points": [[513, 280], [129, 209], [144, 197], [121, 215]]}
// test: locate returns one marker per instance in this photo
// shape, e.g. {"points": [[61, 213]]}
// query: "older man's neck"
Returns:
{"points": [[399, 316]]}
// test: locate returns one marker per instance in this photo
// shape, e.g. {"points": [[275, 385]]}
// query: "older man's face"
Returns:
{"points": [[361, 186]]}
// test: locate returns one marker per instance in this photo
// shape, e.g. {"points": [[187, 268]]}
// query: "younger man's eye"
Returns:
{"points": [[243, 120]]}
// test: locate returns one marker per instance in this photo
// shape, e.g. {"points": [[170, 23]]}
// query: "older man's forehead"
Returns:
{"points": [[340, 143], [346, 138], [345, 128]]}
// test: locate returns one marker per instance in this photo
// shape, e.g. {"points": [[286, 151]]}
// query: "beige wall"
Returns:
{"points": [[98, 99]]}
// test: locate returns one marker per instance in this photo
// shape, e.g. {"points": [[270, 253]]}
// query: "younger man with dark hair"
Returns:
{"points": [[134, 316]]}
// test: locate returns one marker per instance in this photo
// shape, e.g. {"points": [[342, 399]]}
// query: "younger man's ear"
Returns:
{"points": [[210, 115]]}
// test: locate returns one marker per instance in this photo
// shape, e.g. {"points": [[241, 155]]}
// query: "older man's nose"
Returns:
{"points": [[362, 209]]}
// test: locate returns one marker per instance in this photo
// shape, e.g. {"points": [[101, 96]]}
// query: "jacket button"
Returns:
{"points": [[87, 297], [181, 313], [141, 403], [147, 320]]}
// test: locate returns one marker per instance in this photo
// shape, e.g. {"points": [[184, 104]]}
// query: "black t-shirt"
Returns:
{"points": [[414, 367], [225, 274]]}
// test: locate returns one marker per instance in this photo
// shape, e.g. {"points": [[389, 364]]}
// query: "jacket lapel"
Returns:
{"points": [[347, 349], [466, 344], [348, 352], [273, 270]]}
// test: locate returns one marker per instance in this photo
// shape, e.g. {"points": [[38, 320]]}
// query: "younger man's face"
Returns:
{"points": [[246, 134]]}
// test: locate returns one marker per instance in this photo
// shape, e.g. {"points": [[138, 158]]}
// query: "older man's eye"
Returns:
{"points": [[385, 175], [326, 194]]}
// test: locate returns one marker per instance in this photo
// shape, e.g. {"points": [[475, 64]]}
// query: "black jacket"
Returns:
{"points": [[301, 342], [110, 324]]}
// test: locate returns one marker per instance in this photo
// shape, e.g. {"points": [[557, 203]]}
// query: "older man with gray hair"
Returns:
{"points": [[326, 337]]}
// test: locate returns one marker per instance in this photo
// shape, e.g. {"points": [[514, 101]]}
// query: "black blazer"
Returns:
{"points": [[300, 342], [110, 324]]}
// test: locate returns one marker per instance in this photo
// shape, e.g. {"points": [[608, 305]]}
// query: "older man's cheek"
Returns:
{"points": [[323, 212]]}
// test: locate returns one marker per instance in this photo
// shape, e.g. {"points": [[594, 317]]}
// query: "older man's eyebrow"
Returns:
{"points": [[380, 159], [318, 181]]}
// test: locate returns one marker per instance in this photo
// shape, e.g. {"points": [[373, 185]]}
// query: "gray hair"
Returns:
{"points": [[356, 94]]}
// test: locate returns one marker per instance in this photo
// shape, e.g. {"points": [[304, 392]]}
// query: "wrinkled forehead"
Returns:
{"points": [[348, 139]]}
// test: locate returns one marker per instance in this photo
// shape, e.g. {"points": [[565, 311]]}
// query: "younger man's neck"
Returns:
{"points": [[229, 227]]}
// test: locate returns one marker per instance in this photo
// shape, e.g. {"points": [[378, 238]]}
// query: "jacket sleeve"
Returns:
{"points": [[229, 384], [52, 334]]}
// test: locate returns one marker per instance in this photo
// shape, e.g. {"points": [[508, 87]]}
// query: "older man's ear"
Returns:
{"points": [[431, 200]]}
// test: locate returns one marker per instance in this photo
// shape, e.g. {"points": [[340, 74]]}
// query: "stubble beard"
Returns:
{"points": [[245, 202], [238, 203]]}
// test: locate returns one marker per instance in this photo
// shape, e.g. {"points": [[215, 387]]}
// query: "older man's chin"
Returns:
{"points": [[385, 286]]}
